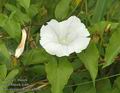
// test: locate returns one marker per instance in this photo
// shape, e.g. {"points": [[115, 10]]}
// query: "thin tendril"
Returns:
{"points": [[80, 84]]}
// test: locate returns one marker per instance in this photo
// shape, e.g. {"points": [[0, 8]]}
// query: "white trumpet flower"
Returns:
{"points": [[21, 46], [64, 38]]}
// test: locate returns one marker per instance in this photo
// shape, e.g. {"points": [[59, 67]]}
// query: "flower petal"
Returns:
{"points": [[47, 35], [79, 44], [21, 46], [64, 38], [56, 49], [73, 24]]}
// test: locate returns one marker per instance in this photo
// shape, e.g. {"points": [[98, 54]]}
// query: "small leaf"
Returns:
{"points": [[100, 27], [11, 75], [35, 56], [24, 3], [117, 83], [4, 54], [13, 28], [3, 88], [17, 14], [113, 48], [116, 86], [10, 7], [103, 86], [8, 80], [32, 11], [79, 78], [58, 74], [100, 10], [88, 88], [21, 17], [3, 19], [3, 72], [62, 9], [89, 57]]}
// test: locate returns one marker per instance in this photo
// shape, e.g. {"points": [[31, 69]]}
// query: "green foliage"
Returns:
{"points": [[4, 54], [24, 3], [113, 48], [17, 14], [90, 60], [58, 74], [100, 9], [3, 72], [3, 19], [32, 10], [35, 56], [94, 70], [103, 86], [11, 76], [116, 86], [85, 89], [13, 29], [6, 80], [62, 9]]}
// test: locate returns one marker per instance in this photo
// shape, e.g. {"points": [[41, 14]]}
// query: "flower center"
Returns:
{"points": [[64, 41]]}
